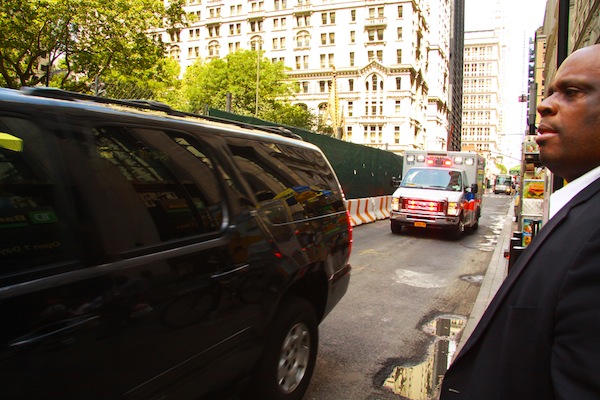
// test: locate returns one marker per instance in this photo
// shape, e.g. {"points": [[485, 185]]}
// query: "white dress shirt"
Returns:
{"points": [[562, 196]]}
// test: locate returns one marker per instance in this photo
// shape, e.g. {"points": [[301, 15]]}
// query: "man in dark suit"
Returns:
{"points": [[540, 336]]}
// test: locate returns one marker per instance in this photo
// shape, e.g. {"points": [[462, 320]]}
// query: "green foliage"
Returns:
{"points": [[83, 38], [501, 168], [282, 112], [207, 84]]}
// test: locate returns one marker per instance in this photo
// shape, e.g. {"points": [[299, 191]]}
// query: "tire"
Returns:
{"points": [[288, 360], [396, 228], [457, 231]]}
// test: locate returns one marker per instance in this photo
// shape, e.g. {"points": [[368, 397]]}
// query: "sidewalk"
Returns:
{"points": [[495, 274]]}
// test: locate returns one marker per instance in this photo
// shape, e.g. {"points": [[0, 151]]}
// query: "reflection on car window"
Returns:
{"points": [[179, 202], [34, 227], [274, 171]]}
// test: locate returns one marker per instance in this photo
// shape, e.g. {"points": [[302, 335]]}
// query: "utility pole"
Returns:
{"points": [[258, 43]]}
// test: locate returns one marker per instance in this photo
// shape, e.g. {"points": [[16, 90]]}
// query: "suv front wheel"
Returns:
{"points": [[288, 360]]}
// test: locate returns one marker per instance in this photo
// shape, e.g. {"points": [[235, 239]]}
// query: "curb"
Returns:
{"points": [[494, 276]]}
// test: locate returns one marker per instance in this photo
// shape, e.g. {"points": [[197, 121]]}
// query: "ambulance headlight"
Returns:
{"points": [[395, 204], [453, 209]]}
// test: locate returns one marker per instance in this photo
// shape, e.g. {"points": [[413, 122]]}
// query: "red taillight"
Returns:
{"points": [[349, 232]]}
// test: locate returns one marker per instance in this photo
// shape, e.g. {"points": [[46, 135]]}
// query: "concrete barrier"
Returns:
{"points": [[367, 210], [352, 206]]}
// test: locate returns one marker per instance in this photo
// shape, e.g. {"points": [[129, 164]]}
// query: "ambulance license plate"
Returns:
{"points": [[420, 224]]}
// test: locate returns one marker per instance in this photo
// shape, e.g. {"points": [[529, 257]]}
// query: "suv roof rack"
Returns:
{"points": [[152, 105]]}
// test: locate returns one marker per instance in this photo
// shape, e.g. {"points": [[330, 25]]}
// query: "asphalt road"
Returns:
{"points": [[409, 297]]}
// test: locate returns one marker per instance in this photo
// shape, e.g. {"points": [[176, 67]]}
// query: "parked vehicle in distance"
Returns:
{"points": [[147, 253], [503, 184], [439, 190]]}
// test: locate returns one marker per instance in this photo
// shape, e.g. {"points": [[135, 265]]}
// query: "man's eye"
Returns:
{"points": [[571, 91]]}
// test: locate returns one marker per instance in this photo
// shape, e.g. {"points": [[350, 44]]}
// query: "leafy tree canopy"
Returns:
{"points": [[207, 84], [84, 38]]}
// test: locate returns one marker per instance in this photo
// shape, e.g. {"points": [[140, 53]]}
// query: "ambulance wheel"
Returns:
{"points": [[457, 231], [396, 228]]}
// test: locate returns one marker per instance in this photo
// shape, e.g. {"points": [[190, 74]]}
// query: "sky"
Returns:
{"points": [[522, 18]]}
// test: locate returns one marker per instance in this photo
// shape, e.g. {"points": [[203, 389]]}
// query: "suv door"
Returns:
{"points": [[129, 286]]}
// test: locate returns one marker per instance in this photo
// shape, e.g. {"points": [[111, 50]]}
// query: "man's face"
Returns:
{"points": [[569, 130]]}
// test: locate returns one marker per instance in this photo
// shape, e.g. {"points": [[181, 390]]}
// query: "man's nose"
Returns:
{"points": [[546, 106]]}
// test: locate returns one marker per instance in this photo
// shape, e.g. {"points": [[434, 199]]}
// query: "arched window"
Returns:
{"points": [[213, 48], [303, 39], [175, 52]]}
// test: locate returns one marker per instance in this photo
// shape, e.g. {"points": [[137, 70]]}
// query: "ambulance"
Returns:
{"points": [[439, 190]]}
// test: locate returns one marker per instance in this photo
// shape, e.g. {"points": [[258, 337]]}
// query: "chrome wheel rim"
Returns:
{"points": [[294, 357]]}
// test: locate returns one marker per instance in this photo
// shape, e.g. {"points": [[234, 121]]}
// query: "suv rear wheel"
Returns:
{"points": [[288, 360]]}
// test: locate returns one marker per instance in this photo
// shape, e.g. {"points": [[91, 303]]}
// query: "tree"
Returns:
{"points": [[283, 112], [207, 84], [84, 39]]}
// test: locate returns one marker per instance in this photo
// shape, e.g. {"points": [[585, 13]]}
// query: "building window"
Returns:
{"points": [[213, 31], [400, 33], [303, 20], [373, 133], [213, 49], [350, 108], [175, 52], [375, 55], [328, 18], [280, 4], [375, 35], [194, 33], [323, 86], [400, 12], [235, 29], [303, 39], [397, 135], [256, 5], [352, 37], [193, 52], [256, 26], [351, 84], [398, 106], [279, 23], [398, 83], [304, 87], [349, 134], [301, 62], [399, 56], [327, 38], [352, 59], [375, 12]]}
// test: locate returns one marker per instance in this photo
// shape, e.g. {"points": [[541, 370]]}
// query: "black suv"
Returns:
{"points": [[150, 254]]}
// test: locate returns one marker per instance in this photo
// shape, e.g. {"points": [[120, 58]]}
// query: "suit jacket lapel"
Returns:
{"points": [[523, 261]]}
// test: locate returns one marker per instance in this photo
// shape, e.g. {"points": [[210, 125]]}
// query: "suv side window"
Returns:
{"points": [[38, 227], [296, 178], [178, 190]]}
